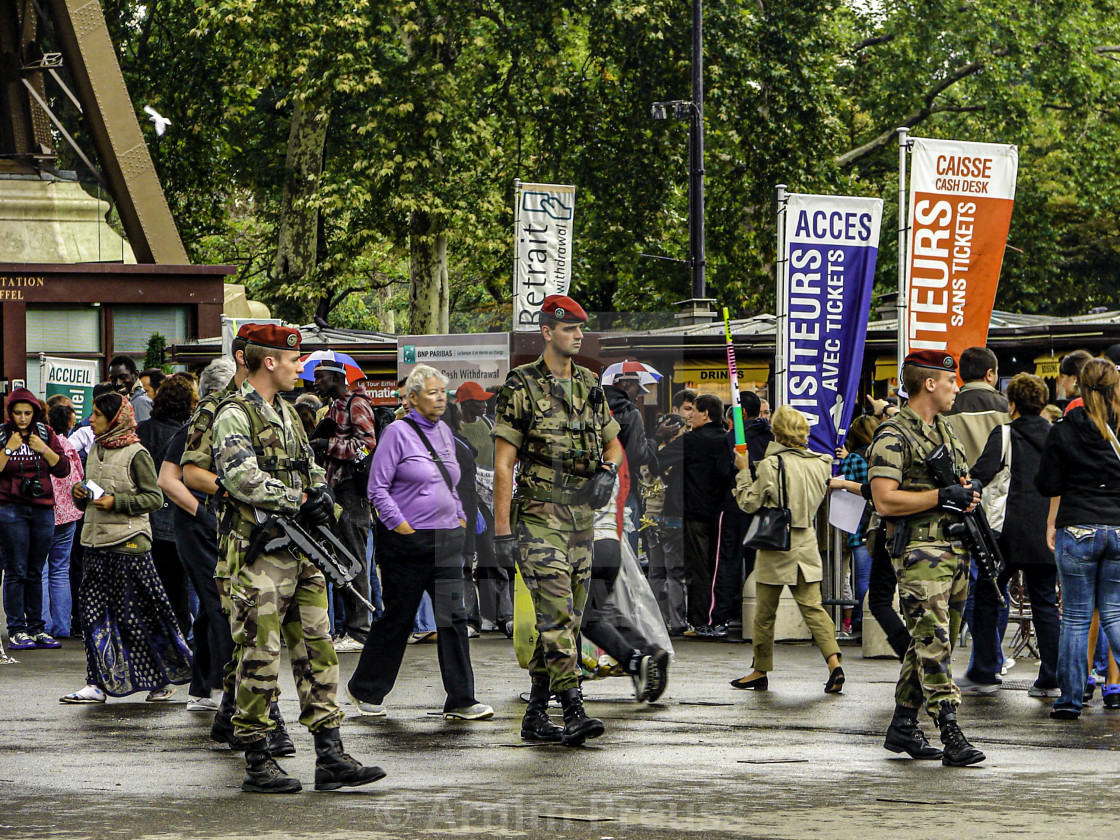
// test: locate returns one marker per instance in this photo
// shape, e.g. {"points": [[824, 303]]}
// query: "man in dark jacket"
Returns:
{"points": [[735, 563], [979, 407], [696, 492], [1022, 541]]}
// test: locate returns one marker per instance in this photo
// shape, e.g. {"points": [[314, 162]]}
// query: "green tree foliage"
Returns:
{"points": [[432, 108]]}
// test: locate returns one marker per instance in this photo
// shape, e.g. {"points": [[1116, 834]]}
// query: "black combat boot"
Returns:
{"points": [[536, 725], [578, 727], [263, 774], [334, 768], [904, 735], [221, 730], [958, 752], [279, 742]]}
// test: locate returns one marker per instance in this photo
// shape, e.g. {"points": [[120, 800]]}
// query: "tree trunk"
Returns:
{"points": [[428, 287], [386, 316], [297, 244]]}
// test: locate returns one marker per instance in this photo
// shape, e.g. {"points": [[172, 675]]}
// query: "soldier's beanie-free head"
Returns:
{"points": [[936, 359], [563, 309], [273, 336]]}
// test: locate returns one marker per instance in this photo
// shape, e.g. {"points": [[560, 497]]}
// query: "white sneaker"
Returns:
{"points": [[1035, 691], [967, 686], [366, 709], [478, 711], [422, 637], [471, 632], [1008, 664], [201, 704], [347, 644]]}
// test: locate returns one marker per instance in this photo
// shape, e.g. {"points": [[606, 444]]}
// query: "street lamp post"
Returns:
{"points": [[698, 308]]}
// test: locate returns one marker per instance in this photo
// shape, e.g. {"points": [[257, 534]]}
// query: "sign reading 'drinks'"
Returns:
{"points": [[831, 246], [544, 217], [961, 195]]}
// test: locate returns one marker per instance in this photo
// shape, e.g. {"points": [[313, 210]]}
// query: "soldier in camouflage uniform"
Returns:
{"points": [[264, 463], [932, 569], [552, 417], [198, 475]]}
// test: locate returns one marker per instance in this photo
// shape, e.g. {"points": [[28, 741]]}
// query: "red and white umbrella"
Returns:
{"points": [[646, 375], [311, 361]]}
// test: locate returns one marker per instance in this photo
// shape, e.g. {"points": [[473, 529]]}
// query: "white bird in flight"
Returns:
{"points": [[158, 120]]}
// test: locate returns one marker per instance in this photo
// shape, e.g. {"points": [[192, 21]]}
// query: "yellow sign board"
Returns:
{"points": [[707, 376]]}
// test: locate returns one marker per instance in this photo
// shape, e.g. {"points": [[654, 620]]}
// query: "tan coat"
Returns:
{"points": [[807, 476]]}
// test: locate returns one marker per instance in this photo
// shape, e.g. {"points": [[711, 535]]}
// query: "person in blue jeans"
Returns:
{"points": [[853, 475], [31, 456], [1080, 472], [58, 602]]}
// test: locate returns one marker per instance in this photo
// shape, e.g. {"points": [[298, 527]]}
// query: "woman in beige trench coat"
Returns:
{"points": [[806, 479]]}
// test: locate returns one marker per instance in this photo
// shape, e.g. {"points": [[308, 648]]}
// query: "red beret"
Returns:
{"points": [[243, 330], [937, 359], [563, 309], [271, 335], [472, 391]]}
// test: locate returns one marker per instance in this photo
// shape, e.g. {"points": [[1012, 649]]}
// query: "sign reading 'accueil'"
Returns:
{"points": [[831, 244]]}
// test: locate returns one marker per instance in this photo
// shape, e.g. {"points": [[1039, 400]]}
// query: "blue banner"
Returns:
{"points": [[831, 243]]}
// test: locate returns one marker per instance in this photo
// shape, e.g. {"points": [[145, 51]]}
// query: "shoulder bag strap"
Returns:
{"points": [[1007, 447], [439, 461], [783, 496], [1115, 443]]}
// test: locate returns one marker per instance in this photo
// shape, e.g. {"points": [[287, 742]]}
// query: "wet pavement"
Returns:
{"points": [[706, 762]]}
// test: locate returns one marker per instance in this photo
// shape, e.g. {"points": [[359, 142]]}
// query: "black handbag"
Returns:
{"points": [[770, 526]]}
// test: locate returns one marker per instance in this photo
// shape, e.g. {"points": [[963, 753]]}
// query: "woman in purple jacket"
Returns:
{"points": [[420, 533]]}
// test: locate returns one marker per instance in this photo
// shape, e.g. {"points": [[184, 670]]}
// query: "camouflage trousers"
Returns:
{"points": [[556, 566], [227, 547], [277, 594], [932, 589]]}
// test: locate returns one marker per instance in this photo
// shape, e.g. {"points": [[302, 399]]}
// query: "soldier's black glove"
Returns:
{"points": [[956, 498], [319, 507], [506, 551], [977, 485], [597, 491]]}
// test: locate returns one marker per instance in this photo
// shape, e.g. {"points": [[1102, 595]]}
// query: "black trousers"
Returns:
{"points": [[604, 625], [731, 570], [495, 582], [1042, 587], [426, 561], [352, 529], [880, 596], [197, 540], [699, 564], [165, 556]]}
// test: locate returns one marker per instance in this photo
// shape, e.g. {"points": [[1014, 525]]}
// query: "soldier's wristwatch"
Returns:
{"points": [[611, 467]]}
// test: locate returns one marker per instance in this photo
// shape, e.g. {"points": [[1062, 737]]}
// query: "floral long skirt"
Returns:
{"points": [[133, 642]]}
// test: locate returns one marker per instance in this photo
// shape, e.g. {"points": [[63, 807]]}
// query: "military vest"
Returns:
{"points": [[111, 469], [917, 476], [563, 447], [272, 458]]}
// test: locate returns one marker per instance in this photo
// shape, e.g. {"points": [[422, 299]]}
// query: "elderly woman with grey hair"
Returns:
{"points": [[420, 534]]}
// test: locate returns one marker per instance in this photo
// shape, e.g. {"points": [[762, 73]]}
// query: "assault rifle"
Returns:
{"points": [[973, 529], [319, 546]]}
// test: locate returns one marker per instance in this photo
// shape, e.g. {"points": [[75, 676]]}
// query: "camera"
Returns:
{"points": [[31, 487]]}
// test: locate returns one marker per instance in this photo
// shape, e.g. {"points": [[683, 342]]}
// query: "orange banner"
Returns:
{"points": [[961, 196]]}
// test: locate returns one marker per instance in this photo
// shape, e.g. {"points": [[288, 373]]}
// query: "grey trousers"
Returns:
{"points": [[666, 574], [352, 529]]}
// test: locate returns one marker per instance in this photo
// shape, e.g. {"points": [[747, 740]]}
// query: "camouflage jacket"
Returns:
{"points": [[200, 438], [900, 449], [263, 462], [560, 428]]}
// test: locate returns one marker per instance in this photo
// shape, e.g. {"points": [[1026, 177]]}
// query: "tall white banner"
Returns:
{"points": [[544, 218]]}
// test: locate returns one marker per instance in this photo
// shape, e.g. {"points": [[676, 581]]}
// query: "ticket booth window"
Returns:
{"points": [[133, 327]]}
